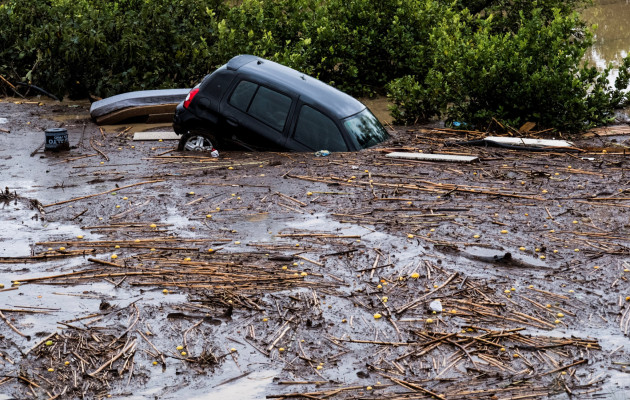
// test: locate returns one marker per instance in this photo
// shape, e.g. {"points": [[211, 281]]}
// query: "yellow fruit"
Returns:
{"points": [[232, 349], [377, 316], [504, 231], [502, 349], [183, 353], [521, 248], [309, 193], [165, 291], [153, 226], [319, 367], [429, 321], [155, 362], [575, 222], [51, 370], [385, 298], [187, 259], [49, 343], [237, 242], [117, 206], [557, 321], [476, 236], [284, 267], [230, 167], [542, 257], [265, 319], [114, 256], [67, 363], [125, 198], [576, 250], [303, 274], [415, 275], [62, 248], [516, 355], [368, 388], [79, 236], [560, 315], [180, 348], [281, 349], [209, 216], [117, 247], [210, 250], [410, 236]]}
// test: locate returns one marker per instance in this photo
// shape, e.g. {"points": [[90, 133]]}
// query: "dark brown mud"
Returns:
{"points": [[134, 271]]}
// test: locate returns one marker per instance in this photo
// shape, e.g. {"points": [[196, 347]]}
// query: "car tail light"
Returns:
{"points": [[190, 96]]}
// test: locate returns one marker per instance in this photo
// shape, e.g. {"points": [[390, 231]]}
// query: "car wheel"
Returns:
{"points": [[197, 141]]}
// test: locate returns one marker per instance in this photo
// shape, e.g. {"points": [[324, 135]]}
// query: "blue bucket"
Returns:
{"points": [[57, 139]]}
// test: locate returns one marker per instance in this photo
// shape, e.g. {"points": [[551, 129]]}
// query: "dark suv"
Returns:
{"points": [[258, 104]]}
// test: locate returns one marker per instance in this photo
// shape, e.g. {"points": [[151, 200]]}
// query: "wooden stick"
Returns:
{"points": [[12, 326], [129, 346], [102, 193]]}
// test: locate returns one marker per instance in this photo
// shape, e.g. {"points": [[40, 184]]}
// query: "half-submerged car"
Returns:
{"points": [[257, 104]]}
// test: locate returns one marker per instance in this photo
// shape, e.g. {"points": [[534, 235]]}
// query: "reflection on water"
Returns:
{"points": [[612, 37]]}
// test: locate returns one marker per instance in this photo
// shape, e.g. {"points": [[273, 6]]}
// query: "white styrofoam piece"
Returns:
{"points": [[529, 142], [432, 157], [155, 136], [3, 120]]}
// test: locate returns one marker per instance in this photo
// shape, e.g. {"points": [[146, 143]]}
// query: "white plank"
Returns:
{"points": [[432, 157], [155, 136], [529, 142]]}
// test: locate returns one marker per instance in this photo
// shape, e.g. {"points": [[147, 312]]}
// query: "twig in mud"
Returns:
{"points": [[102, 193], [16, 330], [98, 150]]}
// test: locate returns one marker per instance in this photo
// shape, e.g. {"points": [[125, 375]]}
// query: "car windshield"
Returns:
{"points": [[364, 129]]}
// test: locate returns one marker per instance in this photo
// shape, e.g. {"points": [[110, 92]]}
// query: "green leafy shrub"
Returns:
{"points": [[535, 73], [513, 60], [106, 46]]}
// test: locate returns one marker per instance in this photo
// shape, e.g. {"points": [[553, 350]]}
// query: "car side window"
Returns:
{"points": [[317, 131], [242, 95], [270, 107]]}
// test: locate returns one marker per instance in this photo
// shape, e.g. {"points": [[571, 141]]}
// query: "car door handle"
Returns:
{"points": [[232, 122]]}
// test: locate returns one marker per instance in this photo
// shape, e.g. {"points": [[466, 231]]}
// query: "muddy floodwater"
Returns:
{"points": [[612, 36], [134, 271]]}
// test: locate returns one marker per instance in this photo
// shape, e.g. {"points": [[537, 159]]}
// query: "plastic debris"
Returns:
{"points": [[322, 153], [435, 305]]}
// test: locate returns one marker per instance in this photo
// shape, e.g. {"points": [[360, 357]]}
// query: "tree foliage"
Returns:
{"points": [[513, 60]]}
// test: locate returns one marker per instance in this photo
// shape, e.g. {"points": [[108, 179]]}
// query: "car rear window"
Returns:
{"points": [[242, 95], [317, 131], [270, 107]]}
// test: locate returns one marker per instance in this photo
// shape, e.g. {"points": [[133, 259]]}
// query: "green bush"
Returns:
{"points": [[106, 47], [535, 73], [513, 60]]}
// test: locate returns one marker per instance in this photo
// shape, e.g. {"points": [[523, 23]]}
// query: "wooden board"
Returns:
{"points": [[432, 157], [529, 142], [153, 135]]}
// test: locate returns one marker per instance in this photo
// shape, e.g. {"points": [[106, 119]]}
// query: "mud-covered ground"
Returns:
{"points": [[133, 271]]}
